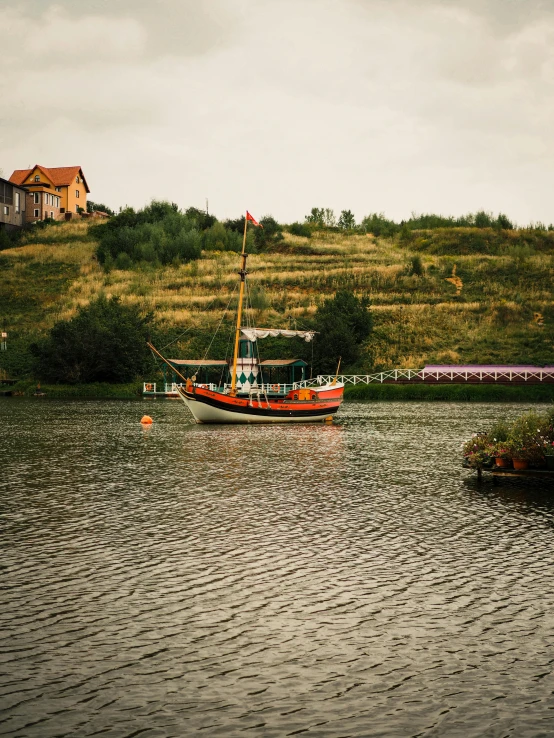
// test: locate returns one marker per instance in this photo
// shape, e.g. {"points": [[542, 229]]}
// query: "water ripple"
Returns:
{"points": [[345, 580]]}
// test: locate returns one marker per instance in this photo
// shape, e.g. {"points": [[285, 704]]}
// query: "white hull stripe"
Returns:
{"points": [[204, 413]]}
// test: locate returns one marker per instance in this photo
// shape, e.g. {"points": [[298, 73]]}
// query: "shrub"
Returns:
{"points": [[347, 220], [378, 225], [269, 235], [520, 254], [415, 266], [104, 342], [158, 234], [300, 229], [92, 206], [343, 324], [123, 261]]}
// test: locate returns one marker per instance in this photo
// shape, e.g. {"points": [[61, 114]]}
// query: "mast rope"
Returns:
{"points": [[252, 324], [204, 310], [219, 324]]}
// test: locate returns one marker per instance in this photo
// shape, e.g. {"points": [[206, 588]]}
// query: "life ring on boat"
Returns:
{"points": [[276, 387]]}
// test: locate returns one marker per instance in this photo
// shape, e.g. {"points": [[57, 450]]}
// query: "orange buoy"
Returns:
{"points": [[146, 420]]}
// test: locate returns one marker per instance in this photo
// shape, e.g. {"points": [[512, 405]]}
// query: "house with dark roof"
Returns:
{"points": [[12, 205], [52, 191]]}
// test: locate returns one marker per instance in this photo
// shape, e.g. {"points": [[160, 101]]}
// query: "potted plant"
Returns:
{"points": [[477, 452], [520, 458], [526, 440], [502, 454]]}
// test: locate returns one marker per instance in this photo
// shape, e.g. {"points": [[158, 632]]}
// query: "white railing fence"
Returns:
{"points": [[392, 375], [487, 374]]}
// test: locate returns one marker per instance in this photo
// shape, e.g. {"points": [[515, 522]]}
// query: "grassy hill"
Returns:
{"points": [[492, 302]]}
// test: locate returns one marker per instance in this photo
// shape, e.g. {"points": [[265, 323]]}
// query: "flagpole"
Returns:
{"points": [[243, 274]]}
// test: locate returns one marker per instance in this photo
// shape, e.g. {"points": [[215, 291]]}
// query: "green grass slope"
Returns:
{"points": [[490, 303]]}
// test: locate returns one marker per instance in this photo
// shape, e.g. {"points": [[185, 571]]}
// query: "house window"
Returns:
{"points": [[77, 179], [37, 197], [37, 178], [17, 203], [58, 189], [76, 193], [52, 215], [6, 210], [76, 208], [46, 198], [37, 213]]}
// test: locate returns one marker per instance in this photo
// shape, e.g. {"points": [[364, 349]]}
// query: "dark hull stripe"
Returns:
{"points": [[265, 412]]}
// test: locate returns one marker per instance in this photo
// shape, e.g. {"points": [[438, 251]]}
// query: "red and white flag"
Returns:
{"points": [[253, 220]]}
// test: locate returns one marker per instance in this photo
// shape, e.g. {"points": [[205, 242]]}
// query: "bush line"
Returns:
{"points": [[450, 392]]}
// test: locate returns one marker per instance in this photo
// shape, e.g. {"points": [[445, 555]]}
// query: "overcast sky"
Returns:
{"points": [[282, 105]]}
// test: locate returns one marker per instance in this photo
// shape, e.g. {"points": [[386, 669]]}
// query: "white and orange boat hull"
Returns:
{"points": [[209, 406]]}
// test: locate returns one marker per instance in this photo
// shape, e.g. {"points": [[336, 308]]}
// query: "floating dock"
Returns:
{"points": [[499, 472]]}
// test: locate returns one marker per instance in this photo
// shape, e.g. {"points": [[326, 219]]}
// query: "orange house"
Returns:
{"points": [[66, 183]]}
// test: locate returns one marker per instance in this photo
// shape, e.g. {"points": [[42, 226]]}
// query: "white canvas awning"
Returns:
{"points": [[253, 333]]}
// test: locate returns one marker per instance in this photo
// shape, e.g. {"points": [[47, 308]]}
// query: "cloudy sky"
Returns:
{"points": [[282, 105]]}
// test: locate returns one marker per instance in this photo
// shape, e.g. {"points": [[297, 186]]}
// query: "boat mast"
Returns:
{"points": [[243, 274]]}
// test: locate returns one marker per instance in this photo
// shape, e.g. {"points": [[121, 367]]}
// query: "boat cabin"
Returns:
{"points": [[275, 376]]}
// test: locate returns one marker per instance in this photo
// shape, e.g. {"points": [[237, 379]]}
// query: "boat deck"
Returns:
{"points": [[170, 391]]}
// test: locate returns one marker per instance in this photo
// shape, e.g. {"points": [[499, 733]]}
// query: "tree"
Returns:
{"points": [[159, 234], [503, 222], [483, 219], [322, 217], [271, 233], [203, 220], [378, 225], [104, 342], [92, 206], [343, 323], [329, 218], [347, 221], [317, 217]]}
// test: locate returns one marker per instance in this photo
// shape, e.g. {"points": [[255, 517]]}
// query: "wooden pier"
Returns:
{"points": [[499, 472]]}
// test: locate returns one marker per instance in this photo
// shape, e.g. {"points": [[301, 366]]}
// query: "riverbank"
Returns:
{"points": [[97, 391], [368, 392], [451, 392]]}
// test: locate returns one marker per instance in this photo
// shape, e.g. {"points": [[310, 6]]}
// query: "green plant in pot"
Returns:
{"points": [[502, 453], [525, 440], [478, 452], [520, 455]]}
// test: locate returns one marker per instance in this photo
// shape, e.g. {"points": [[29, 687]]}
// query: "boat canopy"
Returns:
{"points": [[198, 362], [253, 333], [275, 363]]}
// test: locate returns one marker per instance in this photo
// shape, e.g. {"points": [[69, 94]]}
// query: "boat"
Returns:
{"points": [[247, 398]]}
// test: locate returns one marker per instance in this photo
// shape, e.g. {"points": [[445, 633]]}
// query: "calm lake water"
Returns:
{"points": [[346, 580]]}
